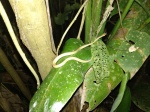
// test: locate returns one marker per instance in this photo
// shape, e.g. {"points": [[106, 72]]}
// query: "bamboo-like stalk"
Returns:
{"points": [[5, 62], [96, 14], [88, 21]]}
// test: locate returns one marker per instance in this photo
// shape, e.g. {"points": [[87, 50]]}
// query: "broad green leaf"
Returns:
{"points": [[122, 89], [136, 16], [130, 46], [134, 51], [96, 93], [61, 83], [130, 53], [126, 102]]}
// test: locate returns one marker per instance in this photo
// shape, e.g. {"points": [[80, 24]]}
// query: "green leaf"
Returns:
{"points": [[130, 53], [96, 93], [131, 56], [122, 89], [136, 16], [61, 83], [60, 18], [126, 102], [130, 46], [69, 8]]}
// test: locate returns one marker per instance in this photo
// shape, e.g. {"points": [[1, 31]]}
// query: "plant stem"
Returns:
{"points": [[6, 63], [127, 8], [103, 26], [96, 15], [93, 15], [88, 21]]}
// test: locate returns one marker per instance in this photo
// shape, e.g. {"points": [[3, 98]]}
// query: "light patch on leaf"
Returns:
{"points": [[109, 86], [133, 48], [113, 78], [34, 105], [57, 106], [60, 72]]}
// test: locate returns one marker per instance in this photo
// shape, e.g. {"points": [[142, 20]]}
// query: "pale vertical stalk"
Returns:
{"points": [[13, 36]]}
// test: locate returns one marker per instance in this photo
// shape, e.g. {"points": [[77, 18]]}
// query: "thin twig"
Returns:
{"points": [[50, 26], [120, 16], [82, 23], [70, 26]]}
